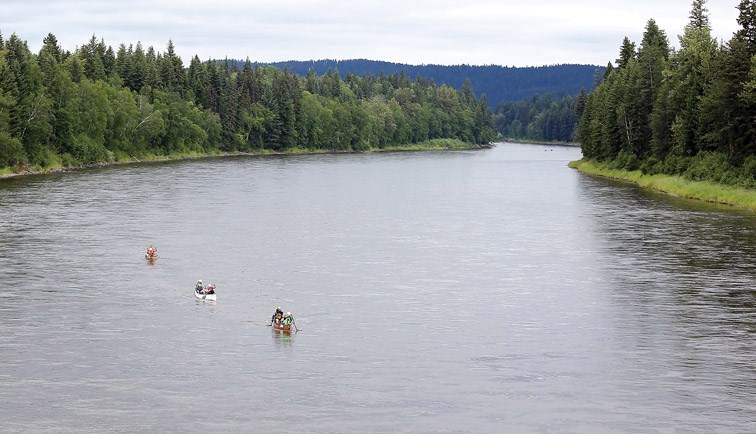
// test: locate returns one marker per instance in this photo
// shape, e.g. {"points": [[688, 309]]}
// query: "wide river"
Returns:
{"points": [[448, 292]]}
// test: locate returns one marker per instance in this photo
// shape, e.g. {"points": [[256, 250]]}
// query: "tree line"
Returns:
{"points": [[542, 118], [97, 104], [689, 111], [498, 83]]}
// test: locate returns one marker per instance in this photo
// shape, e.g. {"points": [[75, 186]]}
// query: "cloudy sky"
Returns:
{"points": [[477, 32]]}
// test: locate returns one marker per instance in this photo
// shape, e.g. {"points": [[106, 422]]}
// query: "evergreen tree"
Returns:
{"points": [[644, 86], [698, 17], [627, 52], [138, 68], [122, 64], [108, 62], [50, 55], [198, 81], [747, 21], [172, 71], [92, 56]]}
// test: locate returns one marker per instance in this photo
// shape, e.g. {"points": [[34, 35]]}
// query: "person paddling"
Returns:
{"points": [[277, 316], [288, 318], [151, 251]]}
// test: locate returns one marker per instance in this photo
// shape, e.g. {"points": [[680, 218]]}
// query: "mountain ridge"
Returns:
{"points": [[498, 83]]}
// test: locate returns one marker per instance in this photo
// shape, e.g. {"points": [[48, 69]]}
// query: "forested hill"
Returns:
{"points": [[498, 83]]}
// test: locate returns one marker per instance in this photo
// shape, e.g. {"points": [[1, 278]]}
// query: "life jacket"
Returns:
{"points": [[288, 320]]}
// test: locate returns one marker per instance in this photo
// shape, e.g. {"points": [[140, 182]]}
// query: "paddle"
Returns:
{"points": [[296, 329]]}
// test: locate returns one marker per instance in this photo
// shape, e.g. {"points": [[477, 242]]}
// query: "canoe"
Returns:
{"points": [[208, 297], [150, 258], [282, 327]]}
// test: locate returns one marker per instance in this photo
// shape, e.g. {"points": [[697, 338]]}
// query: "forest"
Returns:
{"points": [[96, 104], [499, 83], [689, 111], [542, 118]]}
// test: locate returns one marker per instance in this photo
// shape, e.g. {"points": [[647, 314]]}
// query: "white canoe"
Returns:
{"points": [[210, 297]]}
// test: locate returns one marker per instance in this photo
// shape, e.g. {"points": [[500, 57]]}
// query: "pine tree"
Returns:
{"points": [[122, 64], [698, 17], [137, 69], [171, 68], [627, 52], [747, 21], [49, 55], [94, 68], [727, 117], [198, 81]]}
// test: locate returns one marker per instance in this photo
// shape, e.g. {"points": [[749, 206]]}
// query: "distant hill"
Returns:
{"points": [[499, 83]]}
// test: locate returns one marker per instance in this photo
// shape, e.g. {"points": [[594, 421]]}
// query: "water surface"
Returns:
{"points": [[445, 292]]}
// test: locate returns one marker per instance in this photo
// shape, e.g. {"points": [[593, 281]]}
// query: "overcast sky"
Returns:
{"points": [[476, 32]]}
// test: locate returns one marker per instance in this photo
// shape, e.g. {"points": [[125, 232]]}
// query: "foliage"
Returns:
{"points": [[690, 112], [498, 83], [97, 104], [541, 118]]}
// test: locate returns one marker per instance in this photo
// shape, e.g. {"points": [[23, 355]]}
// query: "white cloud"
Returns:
{"points": [[504, 32]]}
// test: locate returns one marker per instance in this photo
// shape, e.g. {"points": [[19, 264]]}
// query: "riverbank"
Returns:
{"points": [[430, 145], [675, 185]]}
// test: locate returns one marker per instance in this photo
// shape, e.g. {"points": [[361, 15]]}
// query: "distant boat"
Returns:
{"points": [[150, 258], [206, 297], [286, 328]]}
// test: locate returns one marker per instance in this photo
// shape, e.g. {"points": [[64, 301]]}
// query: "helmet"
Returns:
{"points": [[287, 314], [199, 281]]}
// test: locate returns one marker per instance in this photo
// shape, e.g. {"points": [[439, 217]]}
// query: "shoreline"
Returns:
{"points": [[433, 145], [540, 142], [705, 191]]}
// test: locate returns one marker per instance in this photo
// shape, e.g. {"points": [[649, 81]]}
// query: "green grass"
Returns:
{"points": [[435, 144], [675, 185]]}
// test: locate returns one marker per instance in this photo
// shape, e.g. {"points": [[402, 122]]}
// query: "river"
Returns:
{"points": [[445, 292]]}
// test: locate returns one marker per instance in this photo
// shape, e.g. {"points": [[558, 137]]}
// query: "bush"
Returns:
{"points": [[625, 161], [90, 151], [11, 150], [712, 166], [676, 164], [652, 166], [46, 157], [748, 173]]}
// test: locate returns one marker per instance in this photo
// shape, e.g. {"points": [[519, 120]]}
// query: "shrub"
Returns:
{"points": [[676, 164], [652, 166], [625, 161], [11, 150], [712, 166], [748, 173]]}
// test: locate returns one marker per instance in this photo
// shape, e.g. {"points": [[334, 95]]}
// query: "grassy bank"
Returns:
{"points": [[58, 166], [675, 185]]}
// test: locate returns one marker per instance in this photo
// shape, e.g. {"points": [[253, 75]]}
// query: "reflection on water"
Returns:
{"points": [[282, 339], [441, 291]]}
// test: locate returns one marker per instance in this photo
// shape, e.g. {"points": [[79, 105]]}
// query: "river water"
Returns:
{"points": [[446, 292]]}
